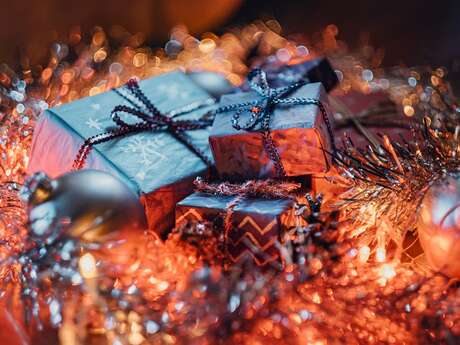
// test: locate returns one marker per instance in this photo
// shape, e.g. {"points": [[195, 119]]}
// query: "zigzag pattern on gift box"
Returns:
{"points": [[249, 239], [261, 256], [191, 215], [250, 229]]}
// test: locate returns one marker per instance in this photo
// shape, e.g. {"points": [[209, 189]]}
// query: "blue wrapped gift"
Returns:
{"points": [[157, 166]]}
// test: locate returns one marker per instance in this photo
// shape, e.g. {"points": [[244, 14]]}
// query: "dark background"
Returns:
{"points": [[412, 32]]}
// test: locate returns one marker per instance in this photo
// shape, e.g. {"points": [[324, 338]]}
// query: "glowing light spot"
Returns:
{"points": [[163, 286], [339, 75], [283, 55], [20, 108], [235, 79], [135, 338], [302, 51], [116, 68], [435, 80], [47, 73], [139, 60], [367, 75], [98, 38], [87, 266], [173, 47], [151, 327], [94, 91], [316, 298], [100, 55], [64, 90], [380, 255], [364, 253], [207, 45], [409, 110], [440, 72], [412, 81], [67, 76], [136, 327], [387, 271]]}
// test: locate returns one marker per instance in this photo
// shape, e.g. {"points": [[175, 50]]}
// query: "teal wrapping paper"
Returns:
{"points": [[154, 164]]}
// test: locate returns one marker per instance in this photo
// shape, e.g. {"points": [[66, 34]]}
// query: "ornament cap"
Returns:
{"points": [[37, 188]]}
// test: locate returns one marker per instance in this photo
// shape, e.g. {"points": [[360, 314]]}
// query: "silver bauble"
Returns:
{"points": [[438, 225], [87, 204]]}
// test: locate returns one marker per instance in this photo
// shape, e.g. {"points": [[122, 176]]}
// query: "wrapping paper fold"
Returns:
{"points": [[256, 224], [155, 165]]}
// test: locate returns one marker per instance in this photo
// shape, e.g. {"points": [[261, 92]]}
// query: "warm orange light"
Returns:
{"points": [[87, 266]]}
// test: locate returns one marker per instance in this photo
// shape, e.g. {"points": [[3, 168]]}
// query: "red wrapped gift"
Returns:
{"points": [[272, 132]]}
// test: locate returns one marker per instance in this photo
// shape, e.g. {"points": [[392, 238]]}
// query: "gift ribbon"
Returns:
{"points": [[151, 120], [262, 108], [264, 189]]}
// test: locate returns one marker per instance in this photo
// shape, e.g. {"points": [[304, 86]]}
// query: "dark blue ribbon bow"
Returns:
{"points": [[261, 109], [151, 119]]}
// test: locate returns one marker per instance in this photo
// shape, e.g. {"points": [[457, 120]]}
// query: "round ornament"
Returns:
{"points": [[438, 225], [87, 204]]}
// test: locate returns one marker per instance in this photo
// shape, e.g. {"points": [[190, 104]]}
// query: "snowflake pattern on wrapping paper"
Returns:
{"points": [[148, 150], [94, 123]]}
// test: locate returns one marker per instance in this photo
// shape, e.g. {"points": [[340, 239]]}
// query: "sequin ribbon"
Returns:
{"points": [[261, 109], [151, 119]]}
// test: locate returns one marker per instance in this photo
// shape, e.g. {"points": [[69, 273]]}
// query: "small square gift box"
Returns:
{"points": [[270, 132], [317, 70], [153, 135], [252, 227]]}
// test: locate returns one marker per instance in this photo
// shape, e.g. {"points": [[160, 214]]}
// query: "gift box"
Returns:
{"points": [[256, 225], [157, 166], [364, 117], [301, 134], [311, 71]]}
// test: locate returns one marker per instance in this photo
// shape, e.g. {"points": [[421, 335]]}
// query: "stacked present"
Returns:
{"points": [[158, 135], [145, 142]]}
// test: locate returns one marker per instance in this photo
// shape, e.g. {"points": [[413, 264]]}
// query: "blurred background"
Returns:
{"points": [[411, 31]]}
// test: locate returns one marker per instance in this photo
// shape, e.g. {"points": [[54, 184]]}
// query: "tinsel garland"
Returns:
{"points": [[345, 284]]}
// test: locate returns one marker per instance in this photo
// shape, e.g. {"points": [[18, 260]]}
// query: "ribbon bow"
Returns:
{"points": [[150, 119], [261, 109]]}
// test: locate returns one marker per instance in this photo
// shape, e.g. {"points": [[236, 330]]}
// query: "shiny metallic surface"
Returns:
{"points": [[86, 204], [439, 225]]}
